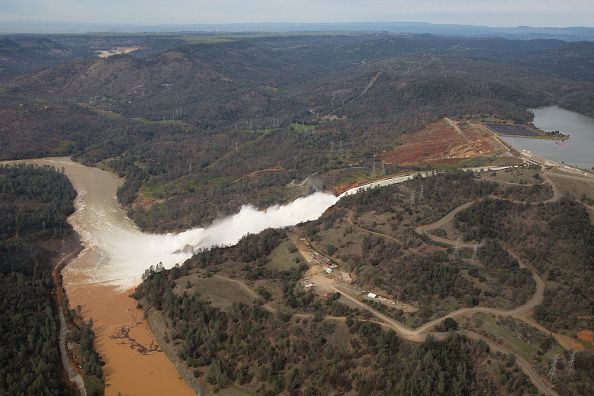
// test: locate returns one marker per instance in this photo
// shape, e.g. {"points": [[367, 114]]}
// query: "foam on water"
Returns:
{"points": [[126, 252], [121, 252]]}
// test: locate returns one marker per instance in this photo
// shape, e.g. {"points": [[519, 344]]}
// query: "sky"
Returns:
{"points": [[550, 13]]}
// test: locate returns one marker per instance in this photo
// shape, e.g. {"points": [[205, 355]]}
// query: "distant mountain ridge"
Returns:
{"points": [[573, 33]]}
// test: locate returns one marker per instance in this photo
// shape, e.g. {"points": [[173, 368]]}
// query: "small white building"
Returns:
{"points": [[371, 295]]}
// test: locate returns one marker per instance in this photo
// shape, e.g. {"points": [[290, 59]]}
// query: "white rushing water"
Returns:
{"points": [[120, 252], [127, 252]]}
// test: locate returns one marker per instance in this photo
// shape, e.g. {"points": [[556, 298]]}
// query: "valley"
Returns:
{"points": [[307, 213]]}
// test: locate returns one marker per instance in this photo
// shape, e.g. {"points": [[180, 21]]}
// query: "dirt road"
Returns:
{"points": [[424, 229], [541, 384], [419, 334], [73, 375]]}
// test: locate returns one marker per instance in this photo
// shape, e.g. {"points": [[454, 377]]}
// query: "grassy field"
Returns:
{"points": [[515, 175], [222, 293], [302, 127], [574, 187], [490, 326], [281, 259]]}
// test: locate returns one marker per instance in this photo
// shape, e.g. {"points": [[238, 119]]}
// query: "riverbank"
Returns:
{"points": [[70, 248], [116, 252], [134, 363]]}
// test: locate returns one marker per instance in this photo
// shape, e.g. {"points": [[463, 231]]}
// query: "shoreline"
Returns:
{"points": [[127, 370], [68, 364], [134, 361]]}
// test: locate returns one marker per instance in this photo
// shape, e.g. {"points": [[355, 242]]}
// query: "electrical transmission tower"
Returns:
{"points": [[456, 251], [475, 252], [553, 370], [570, 363]]}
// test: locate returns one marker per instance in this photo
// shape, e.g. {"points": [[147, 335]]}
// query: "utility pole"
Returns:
{"points": [[553, 370]]}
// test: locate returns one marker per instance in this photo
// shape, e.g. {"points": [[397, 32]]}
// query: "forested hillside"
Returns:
{"points": [[34, 203], [299, 310], [284, 342], [25, 53], [558, 239], [34, 234], [191, 123]]}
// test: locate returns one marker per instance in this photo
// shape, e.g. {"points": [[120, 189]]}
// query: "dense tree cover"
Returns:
{"points": [[20, 53], [557, 239], [431, 198], [407, 266], [82, 337], [506, 271], [271, 353], [252, 247], [34, 203], [189, 125]]}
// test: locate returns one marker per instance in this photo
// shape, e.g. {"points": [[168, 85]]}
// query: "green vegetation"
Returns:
{"points": [[248, 347], [558, 240], [34, 203], [302, 127], [373, 236], [196, 137]]}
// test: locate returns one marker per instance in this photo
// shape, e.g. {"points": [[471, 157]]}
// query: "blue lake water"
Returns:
{"points": [[578, 150]]}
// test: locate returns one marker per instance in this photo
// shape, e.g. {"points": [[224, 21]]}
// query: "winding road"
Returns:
{"points": [[522, 312], [419, 334]]}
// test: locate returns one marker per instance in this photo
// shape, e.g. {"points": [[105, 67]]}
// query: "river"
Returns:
{"points": [[578, 150], [116, 254]]}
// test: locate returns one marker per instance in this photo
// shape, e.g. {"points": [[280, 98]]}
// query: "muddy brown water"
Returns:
{"points": [[116, 253], [134, 365]]}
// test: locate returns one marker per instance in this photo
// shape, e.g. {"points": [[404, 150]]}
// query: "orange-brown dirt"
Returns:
{"points": [[443, 141], [586, 335], [134, 363], [339, 189], [143, 200]]}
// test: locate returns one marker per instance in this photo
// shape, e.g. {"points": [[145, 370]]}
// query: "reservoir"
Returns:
{"points": [[577, 151]]}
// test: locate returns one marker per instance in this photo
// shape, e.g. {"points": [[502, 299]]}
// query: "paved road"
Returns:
{"points": [[73, 375]]}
